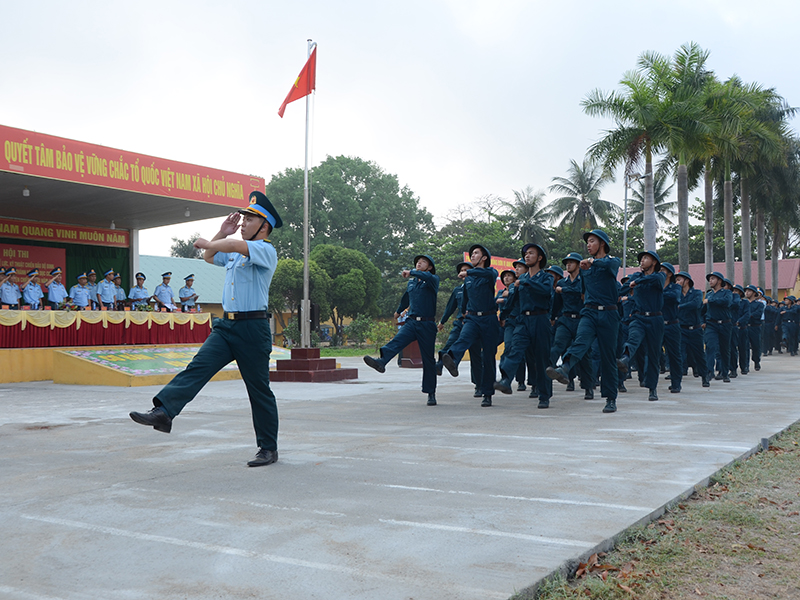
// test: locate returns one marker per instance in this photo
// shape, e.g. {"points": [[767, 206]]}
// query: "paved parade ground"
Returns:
{"points": [[375, 495]]}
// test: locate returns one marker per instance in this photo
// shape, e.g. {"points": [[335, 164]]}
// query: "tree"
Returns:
{"points": [[286, 290], [185, 248], [527, 216], [580, 207], [641, 130], [665, 209], [355, 283], [353, 203]]}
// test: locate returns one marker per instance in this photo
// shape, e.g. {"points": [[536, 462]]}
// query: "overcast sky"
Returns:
{"points": [[458, 98]]}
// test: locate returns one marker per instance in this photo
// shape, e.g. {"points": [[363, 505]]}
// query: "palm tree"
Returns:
{"points": [[641, 129], [527, 216], [665, 210], [688, 79], [580, 207]]}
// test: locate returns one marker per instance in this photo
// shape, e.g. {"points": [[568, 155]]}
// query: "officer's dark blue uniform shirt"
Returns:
{"points": [[649, 292], [689, 308], [534, 292], [420, 296], [673, 294], [454, 305], [600, 281], [733, 308], [571, 294], [718, 305], [756, 311], [479, 290], [509, 310], [743, 316]]}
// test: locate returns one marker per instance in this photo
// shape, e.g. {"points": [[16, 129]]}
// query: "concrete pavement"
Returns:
{"points": [[374, 495]]}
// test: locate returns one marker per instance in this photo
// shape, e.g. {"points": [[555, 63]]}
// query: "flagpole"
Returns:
{"points": [[305, 325]]}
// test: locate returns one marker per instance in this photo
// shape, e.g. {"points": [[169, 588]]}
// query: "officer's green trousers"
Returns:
{"points": [[249, 343]]}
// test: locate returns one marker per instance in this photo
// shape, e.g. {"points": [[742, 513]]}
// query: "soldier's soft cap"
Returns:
{"points": [[540, 250], [140, 275], [167, 274], [600, 234], [189, 277], [56, 271], [485, 251], [33, 273], [652, 253], [261, 206], [81, 276], [556, 270], [429, 259], [109, 272], [463, 263], [572, 256]]}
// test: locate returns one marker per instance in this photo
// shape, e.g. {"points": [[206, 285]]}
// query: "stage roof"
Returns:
{"points": [[84, 184]]}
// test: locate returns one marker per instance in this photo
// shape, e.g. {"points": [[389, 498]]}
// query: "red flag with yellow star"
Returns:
{"points": [[304, 84]]}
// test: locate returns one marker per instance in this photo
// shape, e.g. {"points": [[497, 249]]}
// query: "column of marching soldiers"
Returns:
{"points": [[578, 322]]}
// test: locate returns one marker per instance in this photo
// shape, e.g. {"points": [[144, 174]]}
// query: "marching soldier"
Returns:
{"points": [[420, 300]]}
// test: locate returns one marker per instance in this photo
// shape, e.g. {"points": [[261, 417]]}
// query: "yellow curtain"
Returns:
{"points": [[63, 318]]}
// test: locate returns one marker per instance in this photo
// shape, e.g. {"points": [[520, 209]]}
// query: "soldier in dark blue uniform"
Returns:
{"points": [[672, 328], [569, 293], [599, 317], [534, 291], [243, 334], [755, 315], [455, 305], [420, 299], [718, 301], [771, 313], [647, 326], [509, 318], [740, 342], [691, 323], [480, 323]]}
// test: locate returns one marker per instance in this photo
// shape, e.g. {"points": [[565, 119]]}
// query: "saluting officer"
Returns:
{"points": [[9, 291], [243, 334], [480, 323], [56, 292], [600, 317], [32, 292], [420, 300]]}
